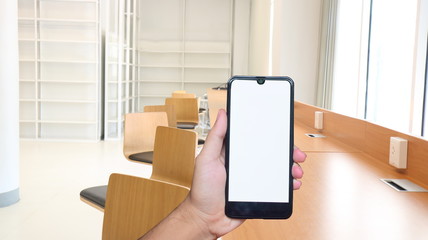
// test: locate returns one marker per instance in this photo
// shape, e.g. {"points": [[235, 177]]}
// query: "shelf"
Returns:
{"points": [[159, 81], [166, 53], [27, 80], [65, 61], [184, 52], [84, 1], [207, 52], [28, 121], [66, 101], [27, 60], [120, 68], [212, 82], [66, 81], [202, 67], [26, 19], [159, 66], [122, 100], [27, 39], [208, 67], [115, 121], [159, 51], [59, 43], [66, 122], [27, 100], [66, 41], [154, 96], [59, 20]]}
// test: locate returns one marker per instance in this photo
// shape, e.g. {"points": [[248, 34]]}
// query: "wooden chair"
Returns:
{"points": [[179, 91], [173, 162], [170, 112], [174, 155], [183, 95], [139, 134], [186, 110], [216, 100], [135, 205]]}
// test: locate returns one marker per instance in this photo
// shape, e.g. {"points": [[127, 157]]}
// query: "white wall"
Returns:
{"points": [[9, 104], [350, 58], [295, 44], [420, 70], [258, 62], [241, 32]]}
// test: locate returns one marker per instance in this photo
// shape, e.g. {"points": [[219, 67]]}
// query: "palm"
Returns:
{"points": [[208, 193], [208, 190]]}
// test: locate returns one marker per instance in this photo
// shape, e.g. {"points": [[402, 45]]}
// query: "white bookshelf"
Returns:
{"points": [[59, 49], [187, 46], [154, 47], [120, 66]]}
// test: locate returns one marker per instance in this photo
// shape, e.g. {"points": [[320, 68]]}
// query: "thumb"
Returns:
{"points": [[215, 139]]}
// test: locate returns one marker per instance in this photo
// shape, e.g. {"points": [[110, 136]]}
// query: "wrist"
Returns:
{"points": [[189, 214]]}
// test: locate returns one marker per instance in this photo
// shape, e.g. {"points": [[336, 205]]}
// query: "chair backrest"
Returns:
{"points": [[140, 131], [179, 91], [216, 100], [186, 109], [170, 112], [174, 155], [183, 95], [135, 205]]}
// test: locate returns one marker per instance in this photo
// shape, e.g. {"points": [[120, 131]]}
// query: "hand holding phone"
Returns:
{"points": [[259, 147]]}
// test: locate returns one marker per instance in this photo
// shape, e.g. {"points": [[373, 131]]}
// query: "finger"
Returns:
{"points": [[298, 155], [296, 184], [223, 154], [297, 171], [215, 139]]}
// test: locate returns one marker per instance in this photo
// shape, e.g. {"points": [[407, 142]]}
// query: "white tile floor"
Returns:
{"points": [[52, 175]]}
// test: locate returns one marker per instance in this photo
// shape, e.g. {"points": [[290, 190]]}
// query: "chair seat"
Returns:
{"points": [[96, 195], [146, 157], [186, 125]]}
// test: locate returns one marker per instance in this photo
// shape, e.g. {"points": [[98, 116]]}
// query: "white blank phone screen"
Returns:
{"points": [[259, 141]]}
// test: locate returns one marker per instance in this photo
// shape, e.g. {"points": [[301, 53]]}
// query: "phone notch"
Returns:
{"points": [[260, 80]]}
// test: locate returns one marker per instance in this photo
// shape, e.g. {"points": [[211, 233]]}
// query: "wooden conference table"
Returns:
{"points": [[342, 197]]}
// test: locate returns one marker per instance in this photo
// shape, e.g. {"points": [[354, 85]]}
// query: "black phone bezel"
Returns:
{"points": [[259, 210]]}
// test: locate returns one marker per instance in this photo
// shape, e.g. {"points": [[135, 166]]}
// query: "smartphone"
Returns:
{"points": [[259, 147]]}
